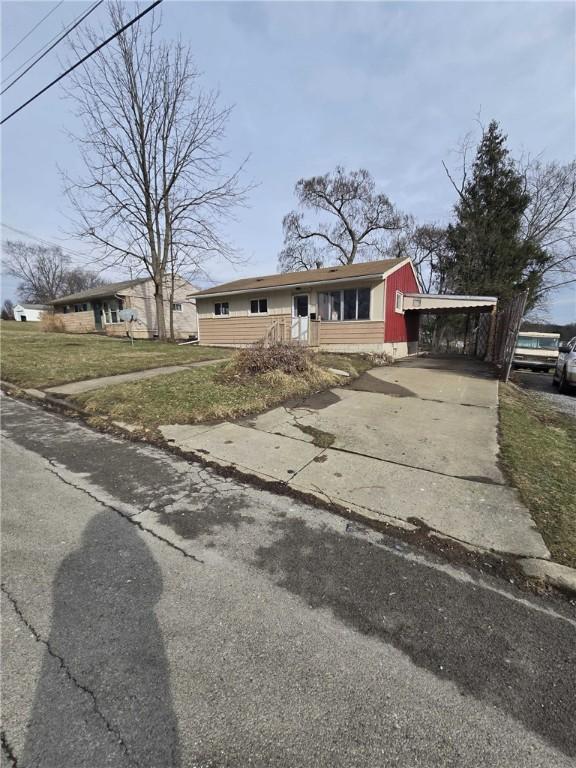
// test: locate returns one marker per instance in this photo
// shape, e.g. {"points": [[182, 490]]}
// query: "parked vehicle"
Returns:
{"points": [[565, 371], [537, 351]]}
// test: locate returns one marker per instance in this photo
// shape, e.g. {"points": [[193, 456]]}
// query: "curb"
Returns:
{"points": [[552, 574]]}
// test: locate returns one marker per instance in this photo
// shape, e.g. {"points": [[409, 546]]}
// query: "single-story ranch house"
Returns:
{"points": [[97, 310], [371, 306], [351, 308], [29, 312]]}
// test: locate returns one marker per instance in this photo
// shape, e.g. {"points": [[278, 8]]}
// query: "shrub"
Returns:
{"points": [[289, 358], [51, 323]]}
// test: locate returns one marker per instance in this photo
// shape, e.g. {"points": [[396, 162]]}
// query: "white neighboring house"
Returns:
{"points": [[29, 312]]}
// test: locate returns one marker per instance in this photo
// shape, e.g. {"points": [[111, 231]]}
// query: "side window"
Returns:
{"points": [[221, 308], [398, 303], [258, 306]]}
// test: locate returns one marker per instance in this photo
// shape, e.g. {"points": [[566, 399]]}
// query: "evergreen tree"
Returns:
{"points": [[490, 255]]}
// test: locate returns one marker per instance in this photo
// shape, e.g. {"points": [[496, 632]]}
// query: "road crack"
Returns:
{"points": [[7, 749], [53, 468], [71, 677]]}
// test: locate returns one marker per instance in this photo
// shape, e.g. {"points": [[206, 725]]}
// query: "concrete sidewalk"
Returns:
{"points": [[77, 387], [413, 443]]}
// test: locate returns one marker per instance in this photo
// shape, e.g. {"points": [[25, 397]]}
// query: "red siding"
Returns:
{"points": [[400, 327]]}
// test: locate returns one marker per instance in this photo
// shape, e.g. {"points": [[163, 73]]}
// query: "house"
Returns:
{"points": [[98, 310], [29, 312], [352, 308]]}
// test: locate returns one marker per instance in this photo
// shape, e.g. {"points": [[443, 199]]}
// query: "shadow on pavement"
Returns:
{"points": [[107, 700], [493, 648]]}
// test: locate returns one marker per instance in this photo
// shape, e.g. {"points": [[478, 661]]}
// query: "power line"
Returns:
{"points": [[47, 51], [40, 50], [32, 30], [83, 256], [82, 60]]}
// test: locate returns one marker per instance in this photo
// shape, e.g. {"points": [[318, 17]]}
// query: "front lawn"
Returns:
{"points": [[204, 394], [538, 449], [32, 358]]}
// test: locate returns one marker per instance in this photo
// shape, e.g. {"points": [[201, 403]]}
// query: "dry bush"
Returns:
{"points": [[51, 323], [280, 356]]}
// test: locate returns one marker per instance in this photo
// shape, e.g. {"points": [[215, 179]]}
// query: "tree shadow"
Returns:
{"points": [[497, 650], [103, 697]]}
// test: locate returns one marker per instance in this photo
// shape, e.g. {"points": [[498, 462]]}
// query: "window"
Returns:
{"points": [[65, 309], [349, 304], [221, 308], [177, 307], [536, 342], [258, 306], [80, 307], [111, 310], [398, 305]]}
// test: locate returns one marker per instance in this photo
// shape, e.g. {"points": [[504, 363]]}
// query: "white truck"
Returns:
{"points": [[537, 351]]}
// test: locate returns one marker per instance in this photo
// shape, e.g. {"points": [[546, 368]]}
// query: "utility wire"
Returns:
{"points": [[84, 256], [32, 30], [47, 51], [40, 50], [82, 60]]}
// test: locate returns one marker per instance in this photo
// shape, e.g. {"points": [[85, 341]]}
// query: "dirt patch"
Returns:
{"points": [[369, 383], [320, 438]]}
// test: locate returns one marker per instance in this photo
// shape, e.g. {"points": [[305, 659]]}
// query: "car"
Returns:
{"points": [[565, 371]]}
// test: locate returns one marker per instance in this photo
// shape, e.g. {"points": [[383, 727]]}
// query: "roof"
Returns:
{"points": [[446, 302], [374, 269], [110, 289], [539, 335], [32, 306]]}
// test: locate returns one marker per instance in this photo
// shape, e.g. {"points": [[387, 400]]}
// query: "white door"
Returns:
{"points": [[300, 317]]}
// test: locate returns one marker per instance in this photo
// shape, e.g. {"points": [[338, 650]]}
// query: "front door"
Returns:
{"points": [[300, 317], [97, 307]]}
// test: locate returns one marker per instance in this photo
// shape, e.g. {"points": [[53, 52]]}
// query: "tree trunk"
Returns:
{"points": [[172, 303], [160, 318]]}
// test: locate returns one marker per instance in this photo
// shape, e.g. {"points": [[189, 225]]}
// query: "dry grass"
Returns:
{"points": [[32, 358], [538, 449], [201, 395]]}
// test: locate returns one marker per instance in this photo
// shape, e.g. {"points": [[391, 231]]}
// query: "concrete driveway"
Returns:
{"points": [[410, 444]]}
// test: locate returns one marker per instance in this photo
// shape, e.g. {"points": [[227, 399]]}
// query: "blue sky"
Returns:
{"points": [[390, 86]]}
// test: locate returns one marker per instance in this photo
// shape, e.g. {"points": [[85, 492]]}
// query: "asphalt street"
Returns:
{"points": [[155, 614]]}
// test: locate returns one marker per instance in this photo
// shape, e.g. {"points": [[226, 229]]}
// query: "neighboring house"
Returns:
{"points": [[98, 309], [353, 308], [29, 312]]}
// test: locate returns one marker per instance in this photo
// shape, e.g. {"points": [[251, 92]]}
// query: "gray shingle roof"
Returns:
{"points": [[111, 289]]}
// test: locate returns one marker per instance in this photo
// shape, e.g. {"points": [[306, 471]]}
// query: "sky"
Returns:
{"points": [[388, 86]]}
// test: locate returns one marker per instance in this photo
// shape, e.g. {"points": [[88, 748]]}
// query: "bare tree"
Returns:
{"points": [[151, 152], [44, 272], [8, 310], [352, 221], [427, 246], [550, 220]]}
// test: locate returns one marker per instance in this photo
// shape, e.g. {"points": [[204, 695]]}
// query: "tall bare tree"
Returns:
{"points": [[151, 147], [351, 221], [44, 272], [550, 220]]}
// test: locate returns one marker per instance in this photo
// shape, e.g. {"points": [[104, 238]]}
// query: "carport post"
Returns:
{"points": [[489, 356]]}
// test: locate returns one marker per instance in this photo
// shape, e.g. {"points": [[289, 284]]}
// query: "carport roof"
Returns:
{"points": [[442, 302]]}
